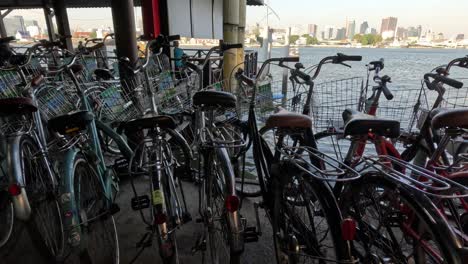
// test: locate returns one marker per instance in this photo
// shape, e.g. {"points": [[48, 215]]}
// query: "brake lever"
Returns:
{"points": [[344, 64]]}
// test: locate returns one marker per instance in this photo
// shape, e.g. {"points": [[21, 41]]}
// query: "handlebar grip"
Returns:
{"points": [[342, 57], [173, 37], [301, 75], [289, 59], [7, 39], [225, 47], [448, 81], [387, 93]]}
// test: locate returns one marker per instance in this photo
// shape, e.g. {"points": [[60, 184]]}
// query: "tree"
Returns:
{"points": [[358, 38], [293, 39], [310, 40], [93, 34]]}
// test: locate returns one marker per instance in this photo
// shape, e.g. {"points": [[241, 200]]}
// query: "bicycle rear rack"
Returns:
{"points": [[417, 178], [335, 171]]}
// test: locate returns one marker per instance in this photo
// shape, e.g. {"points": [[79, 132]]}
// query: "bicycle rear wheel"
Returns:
{"points": [[224, 239], [45, 225], [396, 225], [99, 242], [307, 222]]}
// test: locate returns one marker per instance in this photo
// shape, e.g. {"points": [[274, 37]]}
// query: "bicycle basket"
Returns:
{"points": [[115, 103], [331, 98], [10, 84], [56, 100]]}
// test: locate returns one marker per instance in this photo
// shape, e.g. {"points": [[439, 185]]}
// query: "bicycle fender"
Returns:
{"points": [[15, 176]]}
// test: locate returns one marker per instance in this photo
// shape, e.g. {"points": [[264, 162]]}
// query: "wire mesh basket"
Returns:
{"points": [[10, 84], [329, 99], [176, 99], [118, 103], [55, 100], [426, 99], [400, 108]]}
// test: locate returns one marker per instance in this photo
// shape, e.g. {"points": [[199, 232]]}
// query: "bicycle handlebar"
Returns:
{"points": [[340, 58], [7, 39], [383, 85], [443, 79]]}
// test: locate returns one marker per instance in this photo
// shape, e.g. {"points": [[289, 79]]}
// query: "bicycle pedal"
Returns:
{"points": [[140, 202], [200, 244], [114, 208], [250, 234]]}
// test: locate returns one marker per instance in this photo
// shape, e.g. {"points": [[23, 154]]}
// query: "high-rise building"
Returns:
{"points": [[14, 24], [363, 28], [350, 29], [402, 33], [419, 29], [388, 27], [312, 30], [341, 34], [330, 33]]}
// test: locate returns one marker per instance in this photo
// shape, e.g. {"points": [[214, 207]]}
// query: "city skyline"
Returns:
{"points": [[448, 17]]}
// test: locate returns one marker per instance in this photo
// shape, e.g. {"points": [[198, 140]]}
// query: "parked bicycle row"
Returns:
{"points": [[72, 127]]}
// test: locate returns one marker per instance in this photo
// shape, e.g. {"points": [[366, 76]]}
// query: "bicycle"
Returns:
{"points": [[31, 183], [293, 179]]}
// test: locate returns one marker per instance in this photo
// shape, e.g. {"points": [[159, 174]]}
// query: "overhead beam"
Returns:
{"points": [[63, 25], [3, 32]]}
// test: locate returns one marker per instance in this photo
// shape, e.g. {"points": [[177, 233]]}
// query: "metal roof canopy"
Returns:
{"points": [[68, 3], [4, 4]]}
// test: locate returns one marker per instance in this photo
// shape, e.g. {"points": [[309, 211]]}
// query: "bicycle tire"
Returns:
{"points": [[49, 236], [215, 195], [97, 225], [321, 208], [353, 204]]}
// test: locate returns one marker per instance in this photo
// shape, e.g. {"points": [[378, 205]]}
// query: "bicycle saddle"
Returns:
{"points": [[17, 105], [357, 123], [214, 99], [451, 118], [71, 122], [103, 74], [161, 121], [286, 119]]}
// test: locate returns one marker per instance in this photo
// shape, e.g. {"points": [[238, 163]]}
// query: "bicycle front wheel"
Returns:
{"points": [[307, 222], [99, 240]]}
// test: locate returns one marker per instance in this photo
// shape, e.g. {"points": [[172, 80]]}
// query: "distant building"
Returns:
{"points": [[14, 24], [81, 34], [22, 35], [330, 33], [34, 31], [419, 29], [388, 27], [402, 33], [351, 29], [460, 37], [341, 34], [363, 28], [312, 30], [413, 32], [440, 36]]}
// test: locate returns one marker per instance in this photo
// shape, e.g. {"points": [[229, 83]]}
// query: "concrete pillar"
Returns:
{"points": [[125, 32], [63, 25], [230, 32], [284, 88], [3, 32], [48, 14], [241, 31]]}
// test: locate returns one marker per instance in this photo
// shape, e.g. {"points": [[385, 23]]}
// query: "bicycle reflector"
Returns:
{"points": [[232, 203], [14, 189], [160, 218], [348, 228]]}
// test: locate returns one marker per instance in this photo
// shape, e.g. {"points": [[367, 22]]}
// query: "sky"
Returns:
{"points": [[447, 16]]}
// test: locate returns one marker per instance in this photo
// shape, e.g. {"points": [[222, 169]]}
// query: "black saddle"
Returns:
{"points": [[17, 105], [357, 123], [161, 121], [214, 99], [71, 122], [103, 74]]}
